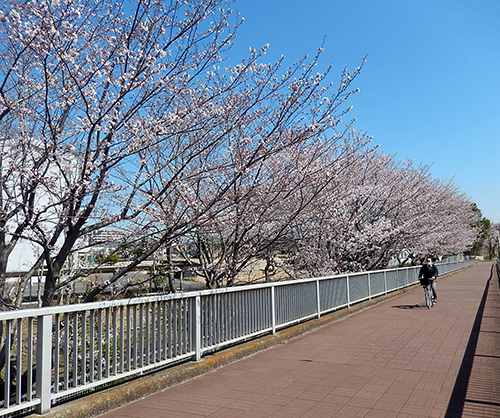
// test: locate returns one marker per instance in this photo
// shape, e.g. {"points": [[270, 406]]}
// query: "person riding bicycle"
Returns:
{"points": [[428, 273]]}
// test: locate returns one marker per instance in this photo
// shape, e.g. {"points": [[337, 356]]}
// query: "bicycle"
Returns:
{"points": [[428, 294]]}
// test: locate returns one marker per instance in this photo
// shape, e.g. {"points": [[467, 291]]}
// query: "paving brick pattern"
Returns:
{"points": [[397, 359]]}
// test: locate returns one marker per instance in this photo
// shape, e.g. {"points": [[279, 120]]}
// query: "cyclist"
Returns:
{"points": [[429, 272]]}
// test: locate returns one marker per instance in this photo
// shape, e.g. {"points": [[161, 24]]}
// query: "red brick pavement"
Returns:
{"points": [[396, 359]]}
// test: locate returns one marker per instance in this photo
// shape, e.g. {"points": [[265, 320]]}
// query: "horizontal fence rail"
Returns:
{"points": [[56, 353]]}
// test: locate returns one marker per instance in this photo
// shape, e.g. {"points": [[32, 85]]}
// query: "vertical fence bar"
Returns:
{"points": [[348, 292], [30, 358], [91, 345], [180, 321], [8, 345], [121, 353], [318, 300], [140, 323], [238, 305], [152, 347], [169, 345], [205, 315], [128, 342], [273, 308], [84, 348], [19, 360], [183, 335], [175, 328], [197, 328], [43, 360], [158, 332], [164, 331], [369, 286], [75, 350], [134, 338], [57, 359], [99, 344], [114, 362], [147, 331], [107, 354]]}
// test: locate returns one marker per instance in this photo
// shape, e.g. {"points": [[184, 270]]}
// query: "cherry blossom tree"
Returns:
{"points": [[80, 79], [252, 222], [383, 210], [125, 100], [127, 115], [26, 195], [260, 123]]}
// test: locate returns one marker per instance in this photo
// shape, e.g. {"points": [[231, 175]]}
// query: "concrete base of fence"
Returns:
{"points": [[115, 397]]}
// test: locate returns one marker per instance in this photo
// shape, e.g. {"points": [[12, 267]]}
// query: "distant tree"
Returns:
{"points": [[482, 226], [492, 241]]}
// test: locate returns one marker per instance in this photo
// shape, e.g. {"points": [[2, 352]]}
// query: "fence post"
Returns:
{"points": [[369, 287], [197, 327], [44, 360], [348, 292], [273, 308], [318, 299]]}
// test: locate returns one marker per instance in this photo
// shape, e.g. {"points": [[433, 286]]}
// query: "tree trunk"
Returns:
{"points": [[170, 267]]}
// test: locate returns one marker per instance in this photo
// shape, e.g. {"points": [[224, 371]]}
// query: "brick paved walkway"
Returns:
{"points": [[396, 359]]}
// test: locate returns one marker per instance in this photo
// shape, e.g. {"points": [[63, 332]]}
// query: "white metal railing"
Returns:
{"points": [[59, 352]]}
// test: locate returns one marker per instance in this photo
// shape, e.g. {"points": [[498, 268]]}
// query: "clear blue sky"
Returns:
{"points": [[430, 89]]}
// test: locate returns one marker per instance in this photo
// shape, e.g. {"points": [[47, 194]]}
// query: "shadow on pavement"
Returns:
{"points": [[459, 394]]}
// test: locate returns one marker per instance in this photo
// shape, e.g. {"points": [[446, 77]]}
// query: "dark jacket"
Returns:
{"points": [[428, 271]]}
